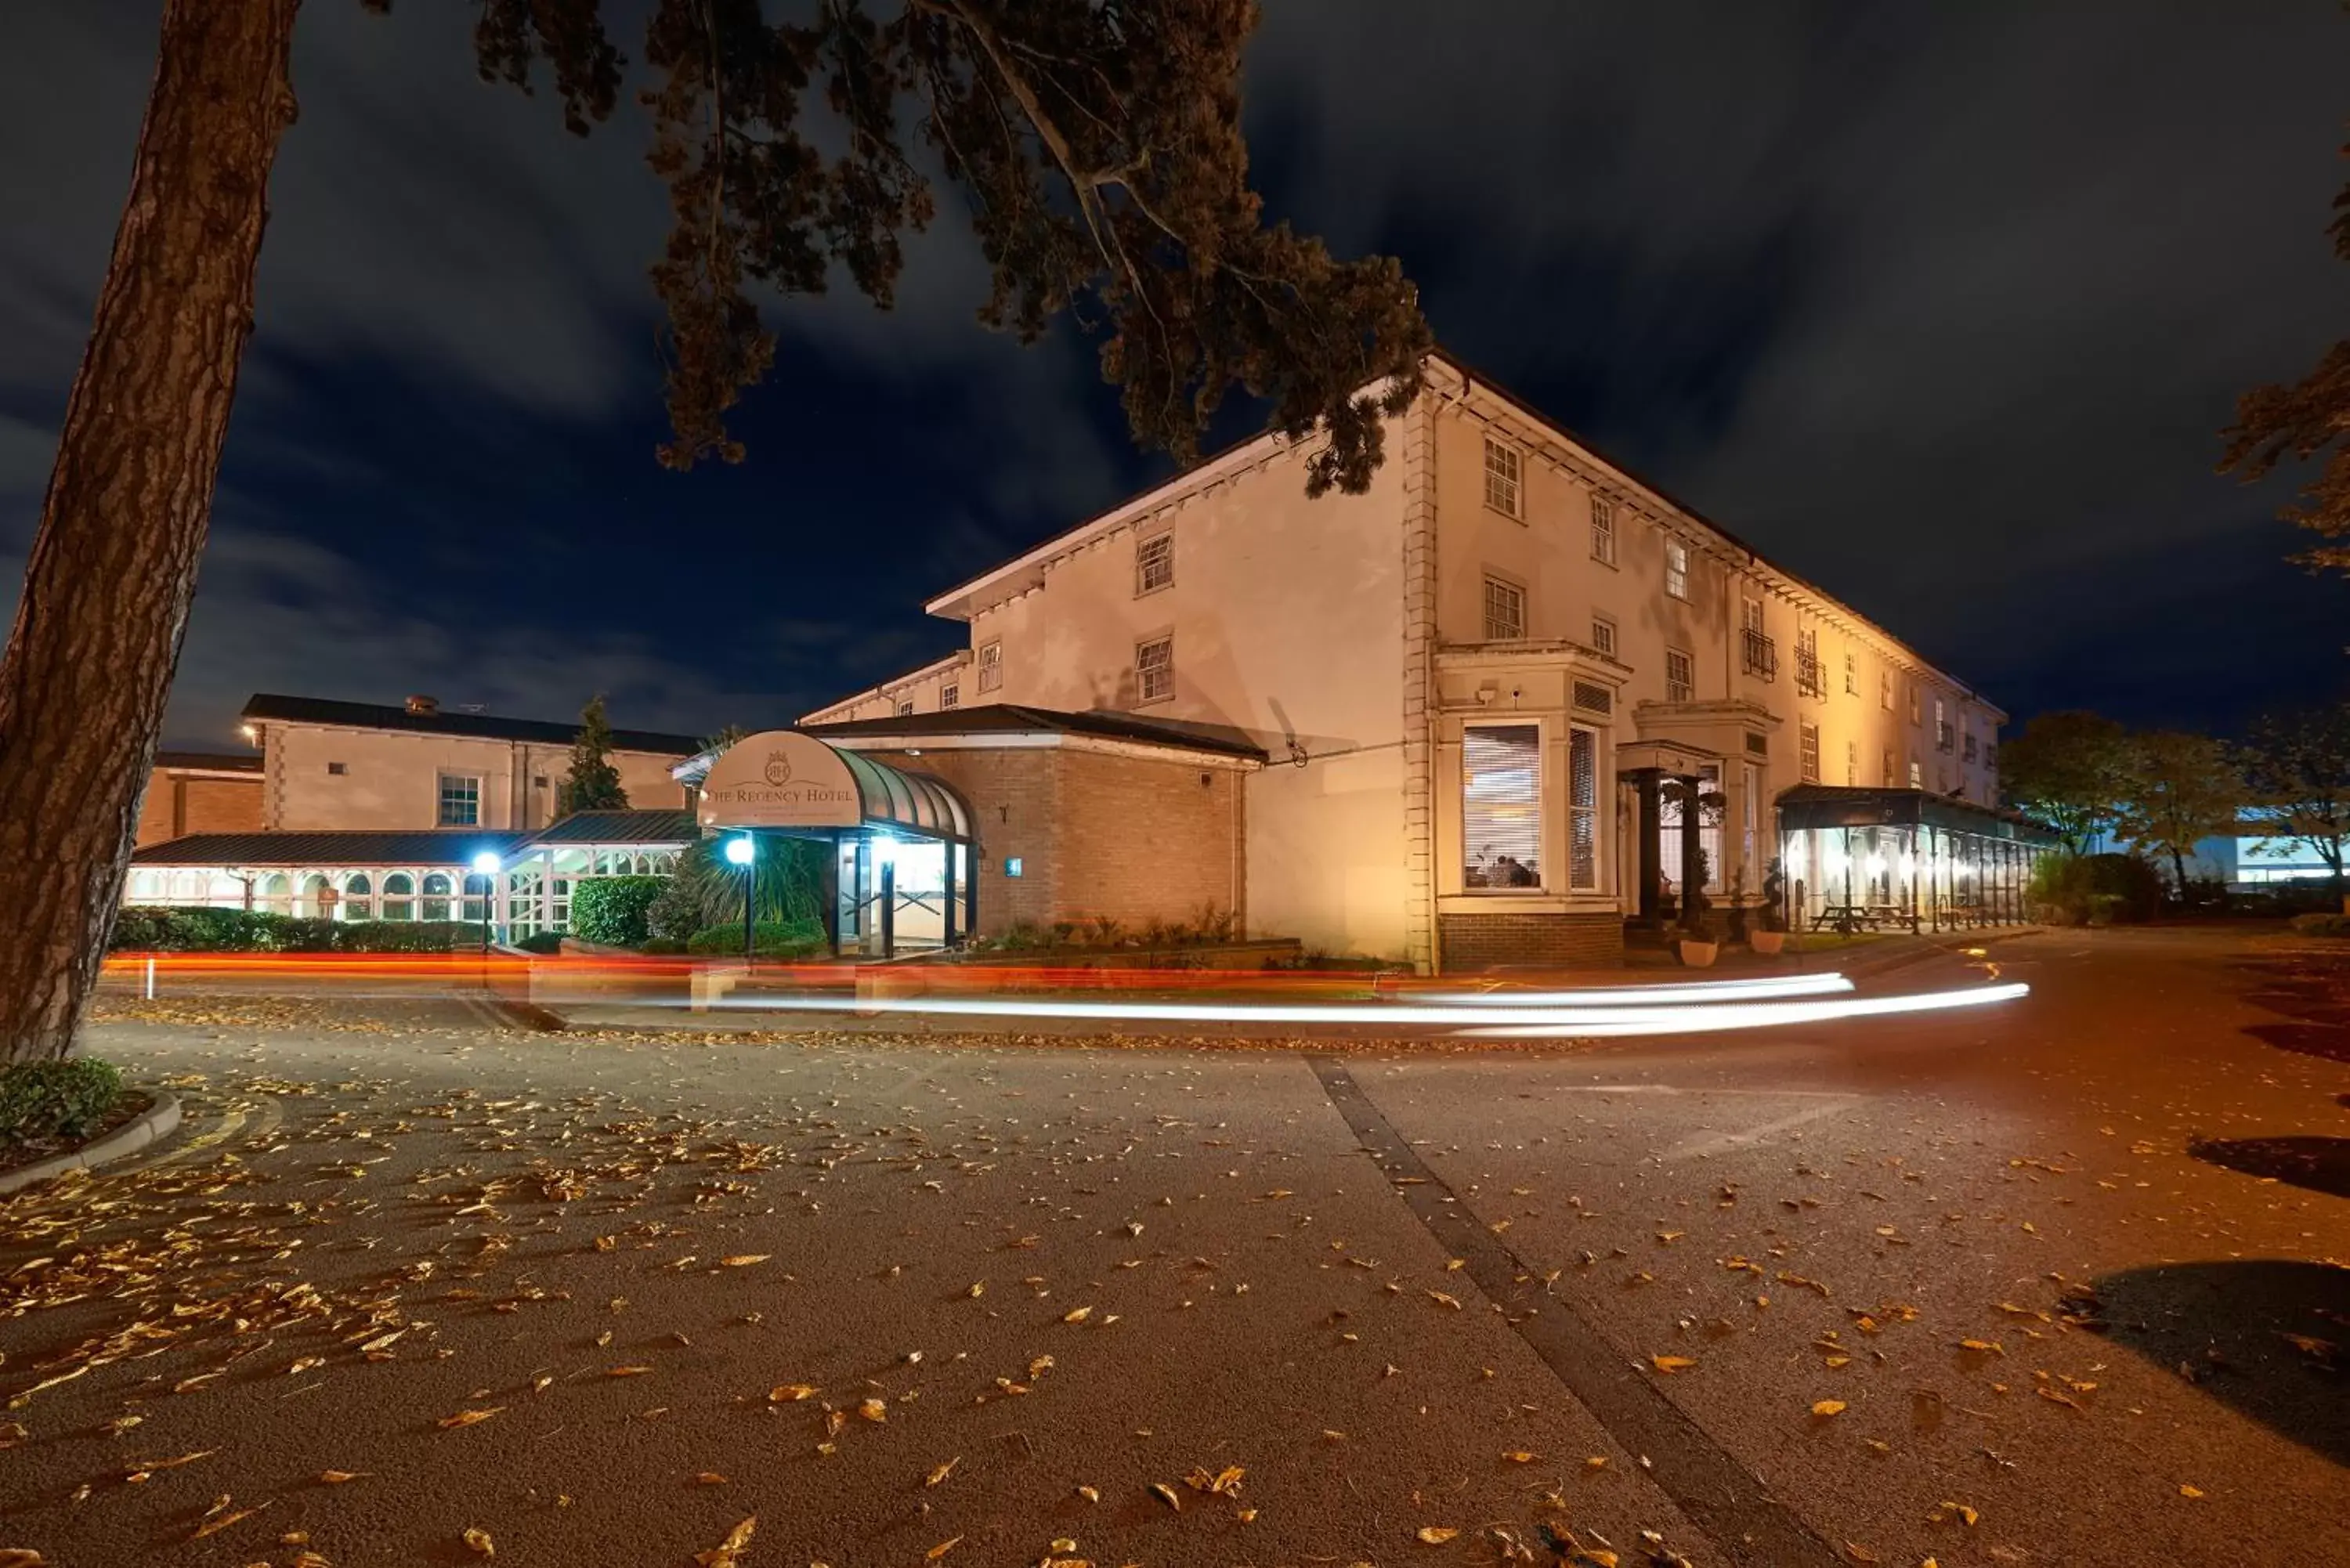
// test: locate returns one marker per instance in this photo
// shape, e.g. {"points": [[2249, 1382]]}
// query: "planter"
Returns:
{"points": [[1767, 943], [1699, 955]]}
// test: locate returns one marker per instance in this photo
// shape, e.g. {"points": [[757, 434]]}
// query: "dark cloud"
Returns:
{"points": [[1939, 305]]}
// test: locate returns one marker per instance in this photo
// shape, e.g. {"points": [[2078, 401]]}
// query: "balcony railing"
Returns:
{"points": [[1758, 655], [1809, 680]]}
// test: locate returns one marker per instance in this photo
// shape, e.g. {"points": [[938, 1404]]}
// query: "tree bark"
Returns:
{"points": [[113, 568]]}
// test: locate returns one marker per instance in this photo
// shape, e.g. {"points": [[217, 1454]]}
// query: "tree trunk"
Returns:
{"points": [[113, 568], [2178, 864]]}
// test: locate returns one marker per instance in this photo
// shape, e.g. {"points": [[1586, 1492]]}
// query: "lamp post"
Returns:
{"points": [[742, 851], [486, 866]]}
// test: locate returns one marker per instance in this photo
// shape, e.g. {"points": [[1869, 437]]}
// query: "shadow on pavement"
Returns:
{"points": [[2320, 1164], [2263, 1336], [2331, 1041]]}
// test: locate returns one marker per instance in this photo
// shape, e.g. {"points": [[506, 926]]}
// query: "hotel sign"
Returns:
{"points": [[780, 778]]}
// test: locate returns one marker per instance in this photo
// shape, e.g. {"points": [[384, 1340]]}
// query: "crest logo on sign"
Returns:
{"points": [[779, 768]]}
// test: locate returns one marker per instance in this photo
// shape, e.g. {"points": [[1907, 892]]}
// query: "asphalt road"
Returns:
{"points": [[2064, 1281]]}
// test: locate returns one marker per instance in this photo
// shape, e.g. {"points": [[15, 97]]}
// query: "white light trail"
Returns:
{"points": [[1699, 990], [1529, 1022]]}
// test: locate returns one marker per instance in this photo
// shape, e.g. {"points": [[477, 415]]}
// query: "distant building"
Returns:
{"points": [[201, 792]]}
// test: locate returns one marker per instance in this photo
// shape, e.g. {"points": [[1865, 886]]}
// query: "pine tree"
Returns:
{"points": [[593, 784]]}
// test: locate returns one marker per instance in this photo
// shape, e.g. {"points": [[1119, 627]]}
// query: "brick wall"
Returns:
{"points": [[1133, 838], [177, 805], [1548, 941]]}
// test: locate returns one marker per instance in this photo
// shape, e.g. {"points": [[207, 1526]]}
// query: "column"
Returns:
{"points": [[1692, 841], [1651, 844], [947, 910]]}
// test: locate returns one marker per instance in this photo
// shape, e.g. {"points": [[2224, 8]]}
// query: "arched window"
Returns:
{"points": [[276, 893], [189, 887], [436, 895], [396, 891], [144, 886], [357, 902]]}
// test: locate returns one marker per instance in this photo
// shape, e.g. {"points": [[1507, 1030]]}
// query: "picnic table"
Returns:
{"points": [[1851, 918]]}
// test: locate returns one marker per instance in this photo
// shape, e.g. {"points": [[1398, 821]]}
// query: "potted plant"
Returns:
{"points": [[1768, 935], [1699, 947]]}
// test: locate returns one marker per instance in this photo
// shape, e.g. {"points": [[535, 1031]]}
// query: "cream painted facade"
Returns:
{"points": [[335, 777], [1497, 575]]}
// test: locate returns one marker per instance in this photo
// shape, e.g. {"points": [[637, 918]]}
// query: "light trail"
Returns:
{"points": [[1635, 995], [1529, 1022]]}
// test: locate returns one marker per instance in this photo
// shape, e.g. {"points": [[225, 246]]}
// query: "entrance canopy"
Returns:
{"points": [[786, 779]]}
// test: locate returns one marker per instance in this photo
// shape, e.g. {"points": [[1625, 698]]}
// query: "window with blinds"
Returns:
{"points": [[1501, 806], [1583, 810]]}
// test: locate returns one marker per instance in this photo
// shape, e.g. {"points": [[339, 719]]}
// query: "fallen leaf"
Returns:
{"points": [[873, 1409], [729, 1551], [1435, 1534], [2186, 1491], [619, 1371], [740, 1260], [1672, 1363], [1944, 1512], [217, 1522], [337, 1477], [710, 1478], [1982, 1346], [1167, 1495], [942, 1548], [944, 1471], [1077, 1314], [1520, 1457], [1225, 1482], [785, 1393], [479, 1540], [1828, 1407], [1090, 1493], [469, 1417], [1441, 1299]]}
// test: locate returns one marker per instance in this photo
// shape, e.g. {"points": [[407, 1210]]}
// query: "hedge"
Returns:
{"points": [[2095, 889], [53, 1099], [776, 938], [2335, 925], [200, 930], [612, 909]]}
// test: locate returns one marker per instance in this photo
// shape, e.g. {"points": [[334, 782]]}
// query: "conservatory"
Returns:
{"points": [[1875, 860]]}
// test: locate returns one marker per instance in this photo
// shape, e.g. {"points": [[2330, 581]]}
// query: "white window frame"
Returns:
{"points": [[1154, 556], [1603, 636], [1676, 567], [1505, 478], [1685, 689], [905, 708], [1603, 529], [1851, 674], [441, 818], [1807, 750], [1851, 764], [1509, 594], [1885, 690], [1916, 773], [1154, 679], [949, 696], [991, 665]]}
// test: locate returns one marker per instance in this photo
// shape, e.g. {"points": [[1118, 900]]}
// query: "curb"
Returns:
{"points": [[160, 1121]]}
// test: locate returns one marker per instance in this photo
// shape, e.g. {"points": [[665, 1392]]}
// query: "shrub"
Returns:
{"points": [[2099, 889], [675, 913], [2322, 924], [202, 930], [52, 1099], [541, 942], [774, 938], [660, 947], [612, 909]]}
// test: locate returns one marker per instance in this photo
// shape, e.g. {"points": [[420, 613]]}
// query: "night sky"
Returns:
{"points": [[1941, 307]]}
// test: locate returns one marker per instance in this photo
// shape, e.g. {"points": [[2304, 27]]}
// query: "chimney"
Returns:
{"points": [[423, 707]]}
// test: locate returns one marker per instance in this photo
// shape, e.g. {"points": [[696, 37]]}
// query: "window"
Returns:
{"points": [[1749, 614], [1916, 715], [1944, 738], [1808, 751], [1505, 481], [1851, 674], [1501, 806], [460, 801], [475, 905], [950, 697], [1603, 529], [357, 902], [1885, 699], [337, 769], [991, 665], [905, 707], [1757, 654], [538, 781], [1887, 774], [396, 889], [1603, 636], [1916, 774], [1154, 670], [435, 905], [1852, 763], [1750, 814], [1808, 678], [1582, 810], [1681, 676], [1708, 831], [1505, 610], [1154, 564], [1676, 568], [1967, 748]]}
